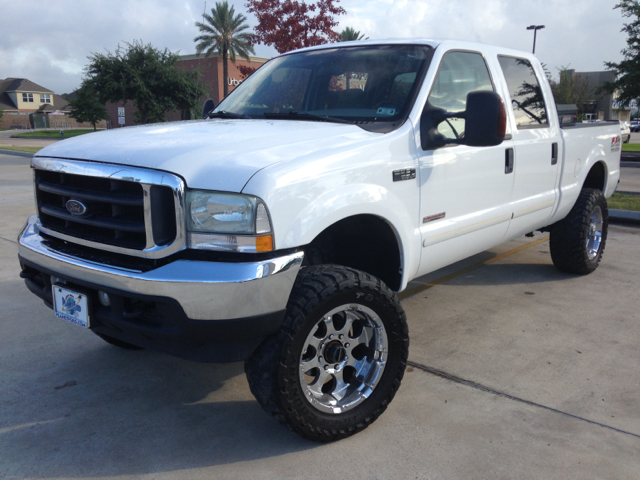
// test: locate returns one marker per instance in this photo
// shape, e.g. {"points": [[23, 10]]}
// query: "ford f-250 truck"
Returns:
{"points": [[279, 229]]}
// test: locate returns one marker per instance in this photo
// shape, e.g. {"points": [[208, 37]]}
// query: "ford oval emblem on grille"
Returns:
{"points": [[76, 207]]}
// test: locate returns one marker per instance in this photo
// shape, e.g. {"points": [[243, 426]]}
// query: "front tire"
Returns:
{"points": [[339, 358], [577, 242]]}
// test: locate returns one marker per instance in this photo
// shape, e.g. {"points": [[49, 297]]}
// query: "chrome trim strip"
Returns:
{"points": [[143, 176], [465, 230], [148, 221], [535, 208], [205, 290]]}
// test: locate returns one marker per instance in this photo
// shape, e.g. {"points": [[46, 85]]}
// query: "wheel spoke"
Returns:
{"points": [[341, 387], [316, 387], [314, 342], [331, 330], [351, 317], [362, 338]]}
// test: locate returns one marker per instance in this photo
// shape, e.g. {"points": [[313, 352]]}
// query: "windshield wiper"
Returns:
{"points": [[225, 114], [306, 116]]}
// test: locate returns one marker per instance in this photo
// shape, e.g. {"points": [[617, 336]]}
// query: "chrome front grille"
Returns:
{"points": [[111, 207]]}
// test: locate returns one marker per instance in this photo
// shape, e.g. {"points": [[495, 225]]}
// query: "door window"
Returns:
{"points": [[460, 73], [526, 95]]}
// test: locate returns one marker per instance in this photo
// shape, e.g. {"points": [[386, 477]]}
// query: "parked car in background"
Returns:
{"points": [[625, 132], [635, 125]]}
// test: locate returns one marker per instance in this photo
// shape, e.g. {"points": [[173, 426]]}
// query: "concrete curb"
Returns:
{"points": [[624, 217], [38, 138], [630, 164], [17, 153], [633, 156]]}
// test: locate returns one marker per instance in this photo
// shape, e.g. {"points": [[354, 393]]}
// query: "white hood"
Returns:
{"points": [[215, 154]]}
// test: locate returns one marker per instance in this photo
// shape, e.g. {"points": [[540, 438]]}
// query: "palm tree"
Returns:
{"points": [[222, 32], [349, 34]]}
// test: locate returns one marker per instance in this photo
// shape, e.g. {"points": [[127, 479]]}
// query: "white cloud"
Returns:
{"points": [[582, 34], [51, 44]]}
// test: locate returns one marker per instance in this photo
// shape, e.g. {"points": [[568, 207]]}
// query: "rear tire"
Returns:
{"points": [[577, 242], [339, 358]]}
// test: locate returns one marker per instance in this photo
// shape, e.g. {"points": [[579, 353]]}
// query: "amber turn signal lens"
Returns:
{"points": [[264, 244]]}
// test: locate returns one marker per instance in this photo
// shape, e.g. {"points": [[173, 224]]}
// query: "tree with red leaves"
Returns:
{"points": [[290, 24]]}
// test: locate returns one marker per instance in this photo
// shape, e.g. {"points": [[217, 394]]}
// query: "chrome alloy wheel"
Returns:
{"points": [[343, 358], [594, 234]]}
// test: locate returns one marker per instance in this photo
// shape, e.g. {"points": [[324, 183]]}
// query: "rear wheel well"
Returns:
{"points": [[363, 242], [595, 177]]}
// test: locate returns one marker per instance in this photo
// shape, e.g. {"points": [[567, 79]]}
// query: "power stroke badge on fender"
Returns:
{"points": [[404, 174]]}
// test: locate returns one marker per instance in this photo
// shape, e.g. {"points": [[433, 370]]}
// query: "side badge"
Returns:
{"points": [[404, 174], [432, 218]]}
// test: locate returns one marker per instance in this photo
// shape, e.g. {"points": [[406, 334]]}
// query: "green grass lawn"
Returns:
{"points": [[21, 149], [54, 133], [631, 147], [624, 202]]}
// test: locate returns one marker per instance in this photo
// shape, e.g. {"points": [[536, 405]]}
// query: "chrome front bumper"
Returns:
{"points": [[204, 290]]}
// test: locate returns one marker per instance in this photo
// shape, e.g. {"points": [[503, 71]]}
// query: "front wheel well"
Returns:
{"points": [[363, 242]]}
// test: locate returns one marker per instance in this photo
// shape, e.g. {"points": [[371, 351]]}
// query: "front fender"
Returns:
{"points": [[357, 199]]}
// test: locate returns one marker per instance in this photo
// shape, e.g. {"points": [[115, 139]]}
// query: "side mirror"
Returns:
{"points": [[485, 122], [207, 107]]}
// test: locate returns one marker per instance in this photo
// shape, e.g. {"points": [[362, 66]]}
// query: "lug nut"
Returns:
{"points": [[330, 336], [326, 367], [341, 337], [319, 359], [337, 367], [346, 345]]}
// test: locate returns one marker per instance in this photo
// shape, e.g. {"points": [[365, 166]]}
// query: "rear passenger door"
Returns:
{"points": [[535, 138]]}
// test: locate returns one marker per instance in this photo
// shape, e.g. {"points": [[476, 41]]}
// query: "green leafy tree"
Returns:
{"points": [[627, 82], [223, 32], [86, 106], [349, 34], [147, 76]]}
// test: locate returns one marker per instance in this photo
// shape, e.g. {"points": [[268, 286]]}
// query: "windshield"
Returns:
{"points": [[372, 86]]}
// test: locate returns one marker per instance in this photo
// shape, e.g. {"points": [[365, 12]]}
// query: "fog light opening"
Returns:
{"points": [[104, 298]]}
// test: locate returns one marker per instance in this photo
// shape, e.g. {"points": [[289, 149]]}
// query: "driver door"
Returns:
{"points": [[465, 191]]}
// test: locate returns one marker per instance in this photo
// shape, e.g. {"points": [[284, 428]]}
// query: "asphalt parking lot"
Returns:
{"points": [[517, 371]]}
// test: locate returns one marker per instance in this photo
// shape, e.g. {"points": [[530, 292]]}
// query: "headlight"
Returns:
{"points": [[228, 222]]}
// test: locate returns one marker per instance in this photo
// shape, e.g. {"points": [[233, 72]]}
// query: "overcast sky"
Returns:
{"points": [[48, 41]]}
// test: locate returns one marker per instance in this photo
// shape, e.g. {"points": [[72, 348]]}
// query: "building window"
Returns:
{"points": [[27, 97], [45, 98]]}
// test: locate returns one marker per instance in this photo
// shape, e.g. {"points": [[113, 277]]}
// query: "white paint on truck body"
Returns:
{"points": [[312, 175]]}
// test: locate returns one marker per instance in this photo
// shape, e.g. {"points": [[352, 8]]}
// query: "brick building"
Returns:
{"points": [[211, 76]]}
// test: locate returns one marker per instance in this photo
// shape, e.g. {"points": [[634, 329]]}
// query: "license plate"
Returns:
{"points": [[71, 306]]}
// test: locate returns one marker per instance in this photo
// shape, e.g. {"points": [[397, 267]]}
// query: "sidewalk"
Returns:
{"points": [[5, 139]]}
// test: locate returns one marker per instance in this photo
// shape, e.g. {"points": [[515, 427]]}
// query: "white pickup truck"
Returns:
{"points": [[279, 229]]}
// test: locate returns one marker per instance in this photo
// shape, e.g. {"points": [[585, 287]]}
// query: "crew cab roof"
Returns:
{"points": [[447, 44]]}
